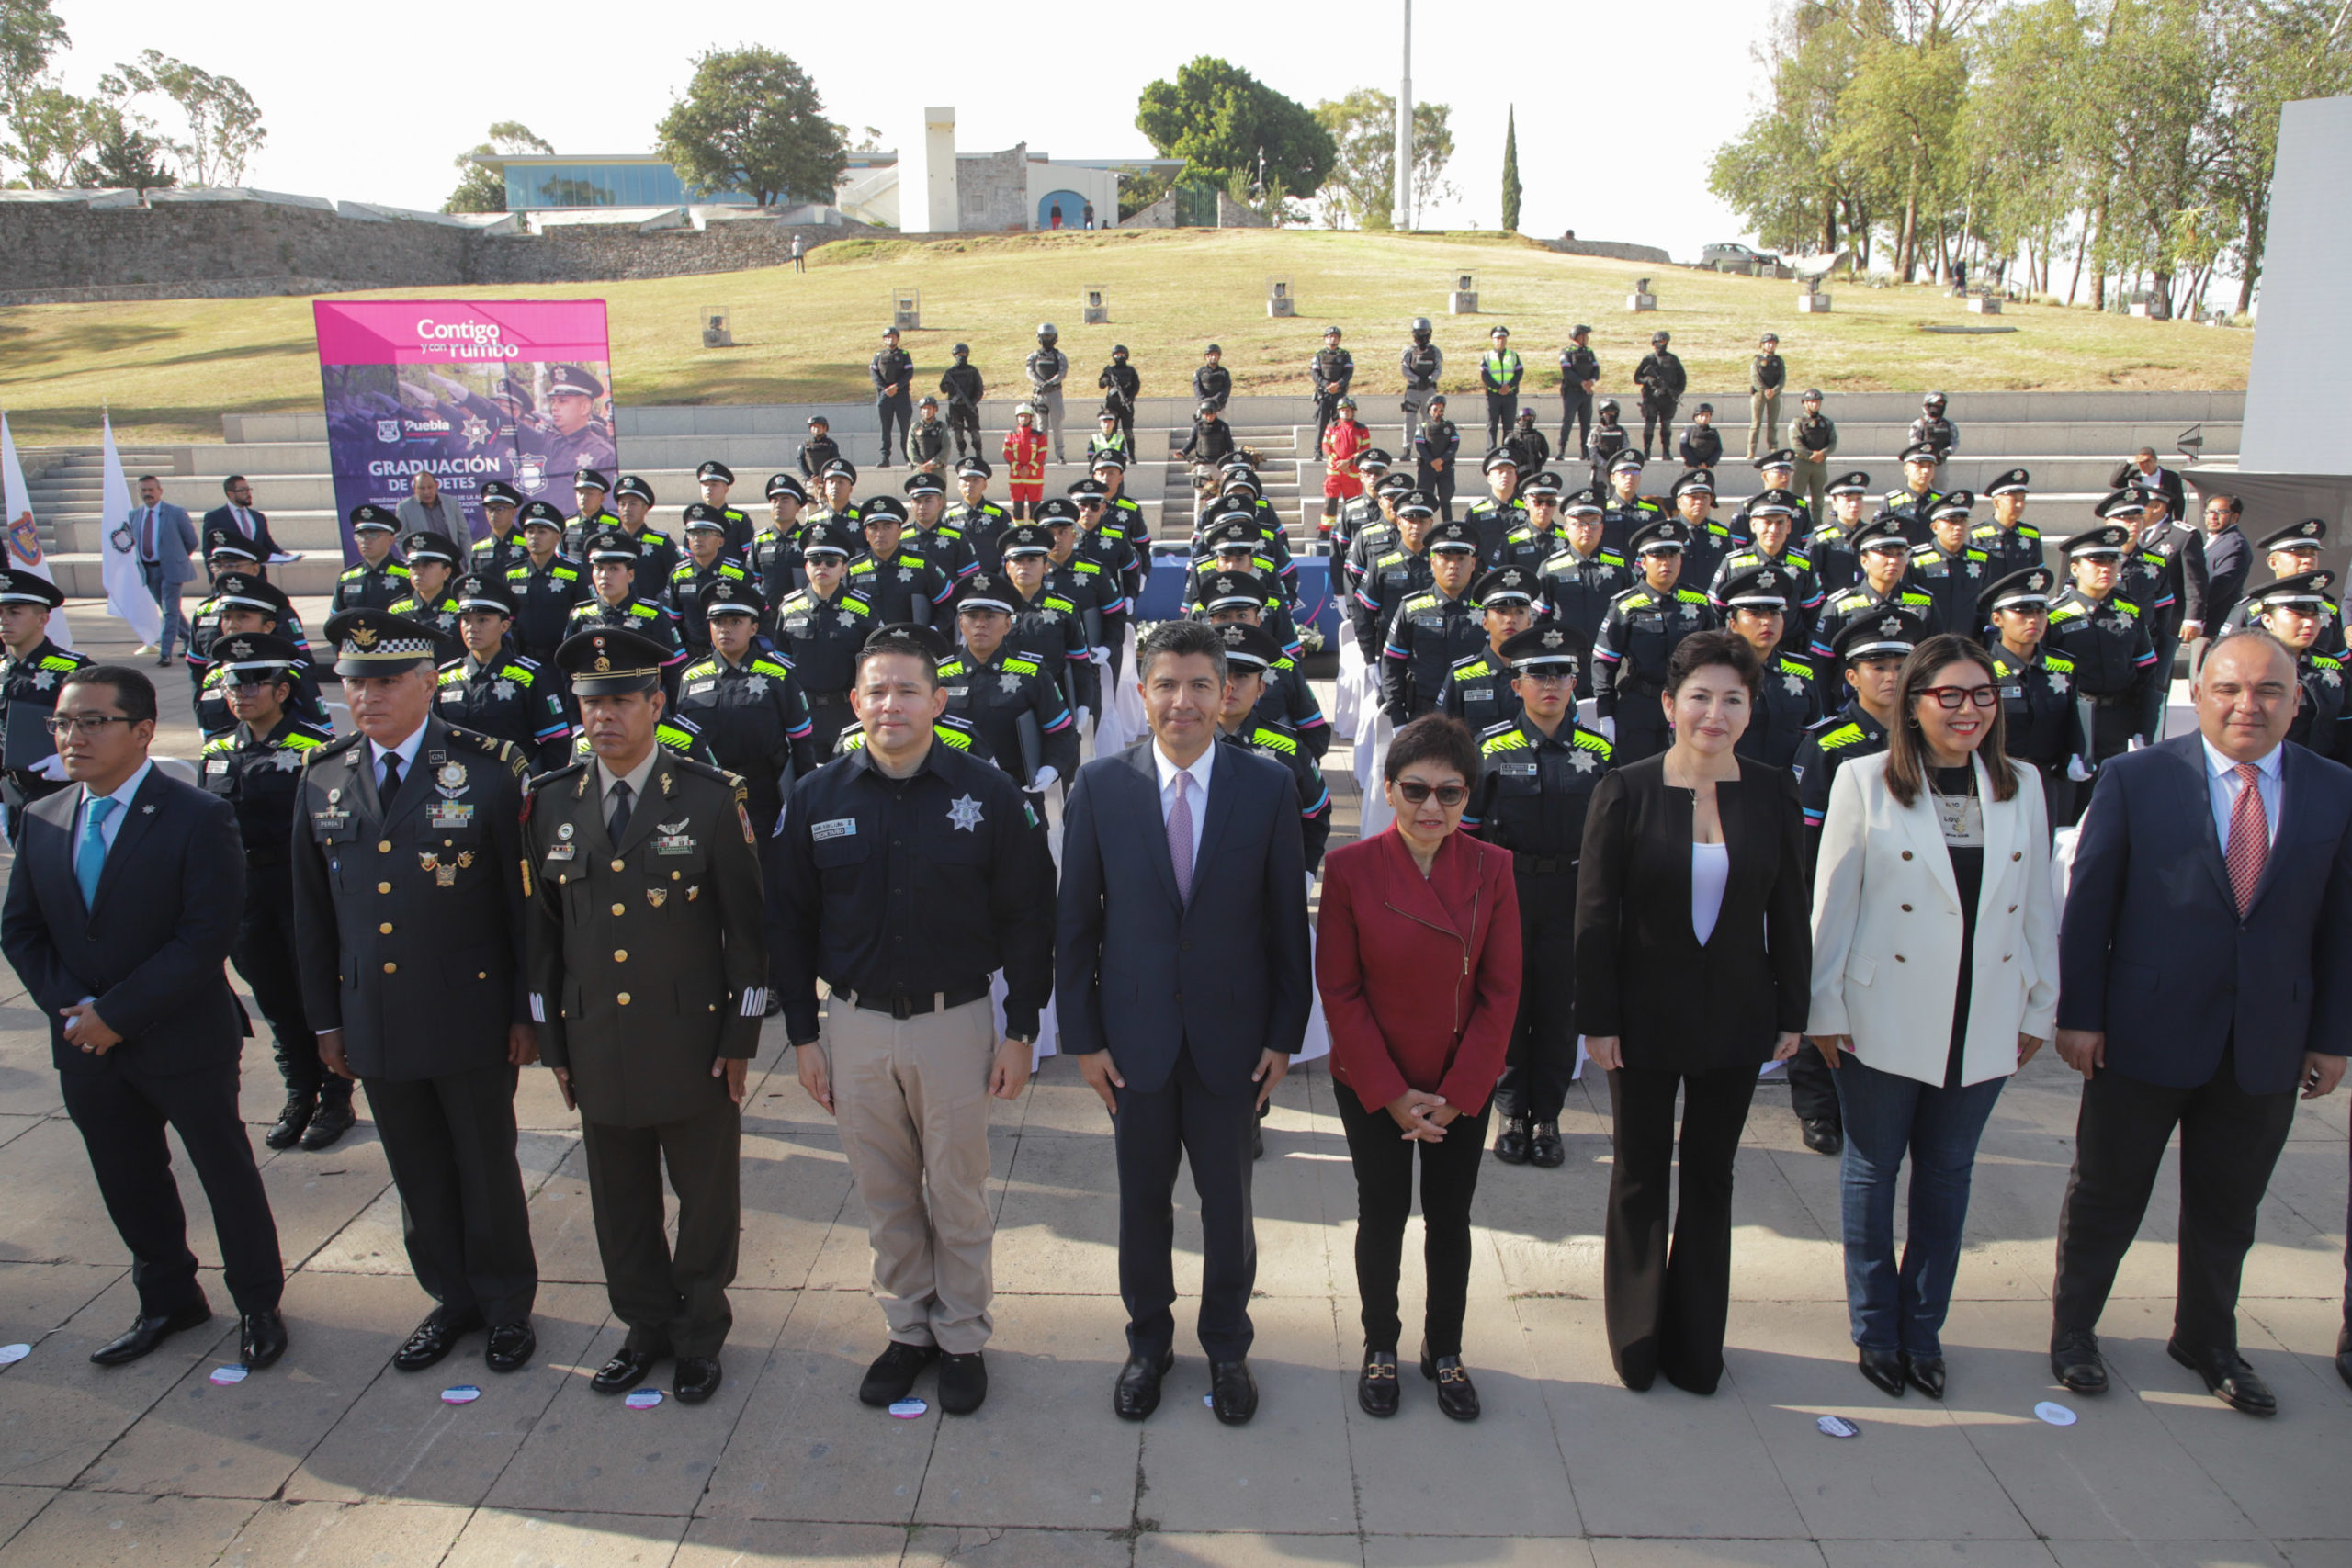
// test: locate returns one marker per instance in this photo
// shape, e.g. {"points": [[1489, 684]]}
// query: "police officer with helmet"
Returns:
{"points": [[1423, 364], [1047, 368], [1579, 376]]}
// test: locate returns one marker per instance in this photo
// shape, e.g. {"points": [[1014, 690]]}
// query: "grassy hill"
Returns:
{"points": [[169, 369]]}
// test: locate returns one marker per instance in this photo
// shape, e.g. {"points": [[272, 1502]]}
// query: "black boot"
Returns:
{"points": [[295, 1116], [1511, 1145], [335, 1117]]}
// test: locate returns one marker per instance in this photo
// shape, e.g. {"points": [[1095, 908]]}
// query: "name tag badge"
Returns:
{"points": [[837, 827], [216, 766], [453, 694], [699, 687], [329, 820], [1430, 623], [2012, 693], [1518, 770]]}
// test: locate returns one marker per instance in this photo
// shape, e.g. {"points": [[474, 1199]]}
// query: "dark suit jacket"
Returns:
{"points": [[2228, 557], [222, 517], [1641, 974], [151, 946], [1227, 975], [2150, 948]]}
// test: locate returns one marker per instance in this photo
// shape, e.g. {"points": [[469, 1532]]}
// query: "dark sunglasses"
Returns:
{"points": [[1951, 698], [1416, 792]]}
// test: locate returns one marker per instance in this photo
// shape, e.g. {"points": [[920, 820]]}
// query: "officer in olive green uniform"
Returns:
{"points": [[409, 883], [648, 979]]}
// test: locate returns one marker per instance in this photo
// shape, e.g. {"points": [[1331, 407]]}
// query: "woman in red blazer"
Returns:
{"points": [[1418, 960]]}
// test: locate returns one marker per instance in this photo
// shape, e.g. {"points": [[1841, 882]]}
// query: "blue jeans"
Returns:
{"points": [[168, 599], [1887, 1115]]}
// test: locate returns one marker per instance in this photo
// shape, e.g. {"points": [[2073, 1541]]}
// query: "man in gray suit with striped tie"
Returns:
{"points": [[165, 539]]}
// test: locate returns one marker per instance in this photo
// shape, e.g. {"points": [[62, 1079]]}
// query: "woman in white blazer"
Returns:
{"points": [[1934, 976]]}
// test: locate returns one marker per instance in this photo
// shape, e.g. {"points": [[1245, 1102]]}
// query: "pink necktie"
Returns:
{"points": [[2249, 838], [1179, 838]]}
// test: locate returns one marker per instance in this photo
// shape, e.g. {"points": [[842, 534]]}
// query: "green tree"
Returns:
{"points": [[123, 156], [480, 189], [751, 120], [223, 122], [1224, 122], [1900, 112], [30, 33], [1363, 188], [51, 132], [1510, 169]]}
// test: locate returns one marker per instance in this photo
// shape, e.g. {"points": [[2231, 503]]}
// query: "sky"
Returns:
{"points": [[367, 103]]}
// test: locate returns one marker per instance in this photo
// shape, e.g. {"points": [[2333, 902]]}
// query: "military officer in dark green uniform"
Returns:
{"points": [[2040, 721], [1478, 689], [492, 690], [409, 886], [30, 676], [1639, 634], [649, 977], [1753, 603], [378, 579], [1537, 778]]}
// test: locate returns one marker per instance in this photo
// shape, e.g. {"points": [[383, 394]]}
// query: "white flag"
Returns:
{"points": [[24, 551], [127, 597]]}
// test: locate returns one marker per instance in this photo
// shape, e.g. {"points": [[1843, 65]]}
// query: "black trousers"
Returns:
{"points": [[899, 412], [1641, 727], [1185, 1121], [1384, 1163], [671, 1299], [450, 1142], [1438, 485], [1502, 413], [1575, 408], [964, 424], [1813, 1086], [263, 954], [829, 714], [1658, 418], [1541, 1060], [1667, 1307], [2230, 1140], [122, 1124]]}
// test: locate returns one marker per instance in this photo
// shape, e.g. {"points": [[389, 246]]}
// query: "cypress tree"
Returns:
{"points": [[1510, 169]]}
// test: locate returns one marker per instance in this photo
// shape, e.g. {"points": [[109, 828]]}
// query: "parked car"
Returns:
{"points": [[1729, 257]]}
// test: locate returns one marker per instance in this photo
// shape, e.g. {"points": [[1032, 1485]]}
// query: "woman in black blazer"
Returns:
{"points": [[1693, 963]]}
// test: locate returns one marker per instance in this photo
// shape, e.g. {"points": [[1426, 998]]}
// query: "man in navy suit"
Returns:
{"points": [[121, 908], [1182, 966], [2205, 963], [239, 515], [162, 539]]}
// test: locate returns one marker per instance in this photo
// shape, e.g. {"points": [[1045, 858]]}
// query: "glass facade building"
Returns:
{"points": [[540, 182]]}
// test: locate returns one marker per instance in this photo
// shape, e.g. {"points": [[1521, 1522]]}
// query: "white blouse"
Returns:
{"points": [[1710, 870]]}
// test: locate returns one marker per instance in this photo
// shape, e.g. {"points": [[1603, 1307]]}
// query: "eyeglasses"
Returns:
{"points": [[1416, 792], [1952, 698], [84, 724]]}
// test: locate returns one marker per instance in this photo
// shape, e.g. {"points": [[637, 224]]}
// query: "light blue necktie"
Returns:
{"points": [[91, 858]]}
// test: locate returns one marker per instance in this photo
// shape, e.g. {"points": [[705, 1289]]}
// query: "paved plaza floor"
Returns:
{"points": [[331, 1458]]}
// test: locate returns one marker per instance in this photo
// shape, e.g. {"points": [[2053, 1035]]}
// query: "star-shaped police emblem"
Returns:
{"points": [[1553, 638], [2331, 677], [757, 685], [1009, 680], [1581, 760], [906, 574], [2057, 683], [848, 620], [964, 813], [503, 689], [1890, 625], [1794, 684], [44, 681], [288, 762], [1766, 579]]}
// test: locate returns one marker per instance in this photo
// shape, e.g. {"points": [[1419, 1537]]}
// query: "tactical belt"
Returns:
{"points": [[1542, 865], [900, 1005]]}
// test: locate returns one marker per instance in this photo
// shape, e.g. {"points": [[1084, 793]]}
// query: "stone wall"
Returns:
{"points": [[1612, 249], [994, 190], [53, 251]]}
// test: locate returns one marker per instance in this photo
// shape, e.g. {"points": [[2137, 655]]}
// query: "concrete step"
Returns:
{"points": [[82, 574]]}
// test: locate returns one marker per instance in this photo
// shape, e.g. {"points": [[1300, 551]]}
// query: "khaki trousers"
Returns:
{"points": [[911, 1097]]}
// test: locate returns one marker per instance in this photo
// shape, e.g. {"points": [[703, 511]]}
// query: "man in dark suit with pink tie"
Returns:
{"points": [[1184, 982]]}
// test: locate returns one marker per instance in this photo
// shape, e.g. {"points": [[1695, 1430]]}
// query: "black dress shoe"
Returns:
{"points": [[963, 1382], [292, 1118], [1510, 1143], [625, 1370], [1884, 1369], [1925, 1374], [261, 1340], [146, 1333], [510, 1345], [2344, 1364], [1376, 1389], [2227, 1378], [2075, 1362], [1823, 1137], [894, 1371], [434, 1338], [1545, 1148], [1233, 1393], [1136, 1393], [696, 1377], [1456, 1394], [334, 1119], [1257, 1141]]}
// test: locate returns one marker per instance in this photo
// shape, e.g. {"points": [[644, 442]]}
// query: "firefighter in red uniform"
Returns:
{"points": [[1024, 460], [1344, 440]]}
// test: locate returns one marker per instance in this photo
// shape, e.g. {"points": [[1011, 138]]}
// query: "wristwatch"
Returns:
{"points": [[1022, 1039]]}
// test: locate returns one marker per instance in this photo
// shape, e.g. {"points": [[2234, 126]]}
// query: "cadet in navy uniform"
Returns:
{"points": [[1753, 603], [1241, 598], [2107, 637], [1492, 517], [1540, 769], [2010, 543], [1870, 652], [1624, 510], [1478, 689], [1777, 471], [409, 887], [2290, 552], [1580, 581], [2040, 721], [774, 556], [1250, 656], [708, 560], [1712, 539], [242, 604], [821, 628], [257, 768], [378, 578], [494, 691], [1771, 523], [1949, 570], [614, 571], [1638, 636], [1433, 629], [1918, 492], [1044, 622], [546, 585], [903, 584], [1394, 576], [501, 503], [647, 980], [997, 685], [749, 703], [656, 554], [1883, 547], [1830, 546], [432, 561], [30, 677], [1536, 537], [2290, 610], [714, 479]]}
